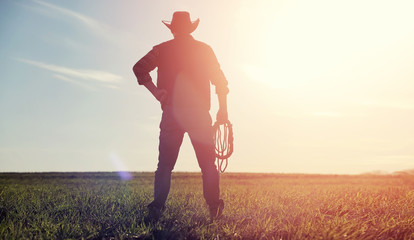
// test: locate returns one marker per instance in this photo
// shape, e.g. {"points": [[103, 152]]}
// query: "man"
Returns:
{"points": [[185, 69]]}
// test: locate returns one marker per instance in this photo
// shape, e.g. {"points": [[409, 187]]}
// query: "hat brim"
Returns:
{"points": [[179, 28]]}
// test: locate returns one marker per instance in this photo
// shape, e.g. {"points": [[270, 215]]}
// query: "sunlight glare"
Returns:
{"points": [[119, 167]]}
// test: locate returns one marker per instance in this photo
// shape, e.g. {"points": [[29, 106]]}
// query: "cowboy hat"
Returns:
{"points": [[181, 23]]}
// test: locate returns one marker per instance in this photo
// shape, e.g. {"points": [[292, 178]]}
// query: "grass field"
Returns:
{"points": [[258, 206]]}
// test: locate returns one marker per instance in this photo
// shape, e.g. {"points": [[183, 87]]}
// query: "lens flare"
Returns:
{"points": [[120, 167]]}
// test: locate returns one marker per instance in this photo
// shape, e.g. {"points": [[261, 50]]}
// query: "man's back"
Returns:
{"points": [[185, 69]]}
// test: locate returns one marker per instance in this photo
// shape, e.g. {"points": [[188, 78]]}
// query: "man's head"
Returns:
{"points": [[181, 23]]}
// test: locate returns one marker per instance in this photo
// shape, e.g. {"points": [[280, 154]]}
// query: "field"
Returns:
{"points": [[258, 206]]}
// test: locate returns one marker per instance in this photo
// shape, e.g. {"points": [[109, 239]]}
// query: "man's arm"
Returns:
{"points": [[219, 80], [142, 69], [222, 115]]}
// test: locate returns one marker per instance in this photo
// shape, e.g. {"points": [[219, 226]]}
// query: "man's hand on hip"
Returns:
{"points": [[161, 95]]}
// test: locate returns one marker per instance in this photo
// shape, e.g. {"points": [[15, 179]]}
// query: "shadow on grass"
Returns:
{"points": [[174, 228]]}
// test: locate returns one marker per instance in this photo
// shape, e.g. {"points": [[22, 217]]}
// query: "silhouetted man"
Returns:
{"points": [[185, 69]]}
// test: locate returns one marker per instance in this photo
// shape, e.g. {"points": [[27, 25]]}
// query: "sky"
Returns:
{"points": [[319, 86]]}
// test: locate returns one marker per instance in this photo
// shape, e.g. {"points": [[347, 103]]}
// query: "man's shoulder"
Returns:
{"points": [[164, 44]]}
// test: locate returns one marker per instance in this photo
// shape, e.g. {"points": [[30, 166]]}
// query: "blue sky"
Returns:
{"points": [[322, 87]]}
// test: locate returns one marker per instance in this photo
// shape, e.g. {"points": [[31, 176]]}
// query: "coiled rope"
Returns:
{"points": [[223, 139]]}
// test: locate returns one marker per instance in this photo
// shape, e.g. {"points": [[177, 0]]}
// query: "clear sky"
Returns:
{"points": [[319, 86]]}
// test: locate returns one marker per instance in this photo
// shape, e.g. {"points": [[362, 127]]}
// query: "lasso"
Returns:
{"points": [[223, 139]]}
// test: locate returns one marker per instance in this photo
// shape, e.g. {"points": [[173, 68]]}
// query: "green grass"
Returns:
{"points": [[258, 206]]}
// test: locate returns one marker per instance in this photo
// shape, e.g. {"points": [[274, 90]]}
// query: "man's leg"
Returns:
{"points": [[171, 138], [203, 143]]}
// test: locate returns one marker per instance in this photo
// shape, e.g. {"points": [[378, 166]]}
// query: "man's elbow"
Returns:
{"points": [[136, 68]]}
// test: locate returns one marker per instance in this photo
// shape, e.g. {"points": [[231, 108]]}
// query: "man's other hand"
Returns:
{"points": [[222, 116]]}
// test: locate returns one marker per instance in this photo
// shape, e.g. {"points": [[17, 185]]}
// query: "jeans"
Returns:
{"points": [[197, 123]]}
